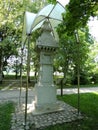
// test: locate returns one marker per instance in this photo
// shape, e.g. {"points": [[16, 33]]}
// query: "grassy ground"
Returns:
{"points": [[88, 107], [4, 84], [5, 115], [11, 82], [75, 86]]}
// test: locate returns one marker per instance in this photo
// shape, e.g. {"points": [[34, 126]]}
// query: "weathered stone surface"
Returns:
{"points": [[45, 90]]}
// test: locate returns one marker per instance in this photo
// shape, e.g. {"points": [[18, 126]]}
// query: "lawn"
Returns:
{"points": [[9, 80], [5, 115], [89, 109]]}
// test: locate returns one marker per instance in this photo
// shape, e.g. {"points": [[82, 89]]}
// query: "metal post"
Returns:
{"points": [[78, 69], [61, 83], [26, 94], [21, 75]]}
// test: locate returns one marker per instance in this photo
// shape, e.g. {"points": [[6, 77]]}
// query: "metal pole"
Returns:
{"points": [[78, 78], [78, 69], [21, 78], [61, 86], [26, 94], [21, 75]]}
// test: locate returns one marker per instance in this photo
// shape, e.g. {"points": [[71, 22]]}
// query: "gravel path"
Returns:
{"points": [[15, 93]]}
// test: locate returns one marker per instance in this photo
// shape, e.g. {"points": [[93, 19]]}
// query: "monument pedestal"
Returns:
{"points": [[45, 99], [44, 95]]}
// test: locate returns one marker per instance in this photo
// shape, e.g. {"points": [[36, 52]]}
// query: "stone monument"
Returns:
{"points": [[45, 90]]}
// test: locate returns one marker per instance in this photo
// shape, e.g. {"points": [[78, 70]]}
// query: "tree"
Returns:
{"points": [[75, 19], [70, 53], [11, 25], [11, 13], [92, 63], [78, 13]]}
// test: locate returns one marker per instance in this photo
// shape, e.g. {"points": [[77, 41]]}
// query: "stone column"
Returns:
{"points": [[45, 90]]}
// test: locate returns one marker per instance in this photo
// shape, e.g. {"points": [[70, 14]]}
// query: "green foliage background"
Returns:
{"points": [[74, 19]]}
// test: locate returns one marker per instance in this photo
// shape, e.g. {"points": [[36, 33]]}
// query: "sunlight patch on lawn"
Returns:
{"points": [[95, 93]]}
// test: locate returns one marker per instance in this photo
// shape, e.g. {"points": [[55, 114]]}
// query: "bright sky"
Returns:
{"points": [[63, 2], [93, 26]]}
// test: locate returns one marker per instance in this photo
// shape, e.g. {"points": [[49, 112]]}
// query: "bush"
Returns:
{"points": [[84, 79], [94, 78]]}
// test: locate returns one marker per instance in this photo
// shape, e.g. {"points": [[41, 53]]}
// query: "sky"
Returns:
{"points": [[93, 27], [63, 2], [93, 23]]}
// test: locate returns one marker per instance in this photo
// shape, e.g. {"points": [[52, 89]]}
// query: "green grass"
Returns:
{"points": [[12, 77], [8, 79], [85, 86], [89, 109], [88, 103], [75, 86], [5, 84], [5, 115]]}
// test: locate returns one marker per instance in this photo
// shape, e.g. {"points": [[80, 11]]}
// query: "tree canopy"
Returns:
{"points": [[75, 20], [78, 13]]}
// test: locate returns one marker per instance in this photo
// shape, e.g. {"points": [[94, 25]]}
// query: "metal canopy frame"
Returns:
{"points": [[52, 13]]}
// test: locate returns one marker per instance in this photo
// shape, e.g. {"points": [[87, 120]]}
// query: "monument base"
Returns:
{"points": [[44, 94], [45, 99], [48, 108]]}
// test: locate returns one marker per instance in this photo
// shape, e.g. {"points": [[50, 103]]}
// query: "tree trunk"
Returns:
{"points": [[1, 67], [16, 71], [0, 78], [63, 81]]}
